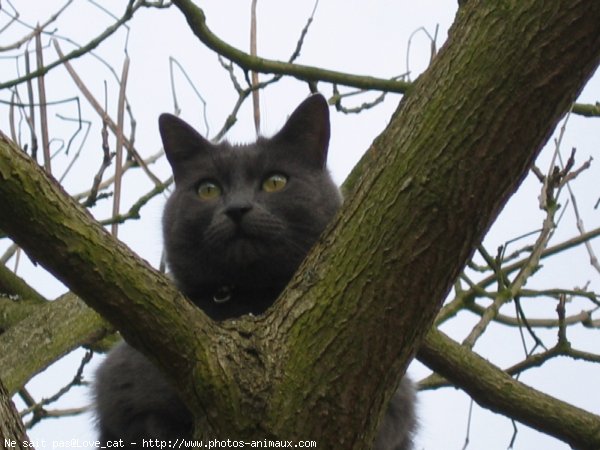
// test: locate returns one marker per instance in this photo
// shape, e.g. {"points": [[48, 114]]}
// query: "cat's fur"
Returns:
{"points": [[232, 254]]}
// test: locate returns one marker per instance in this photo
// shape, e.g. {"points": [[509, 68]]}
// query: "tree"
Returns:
{"points": [[416, 185]]}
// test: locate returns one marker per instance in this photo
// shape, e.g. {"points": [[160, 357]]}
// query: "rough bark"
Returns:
{"points": [[13, 285], [12, 431], [430, 186], [18, 300], [50, 332], [35, 332]]}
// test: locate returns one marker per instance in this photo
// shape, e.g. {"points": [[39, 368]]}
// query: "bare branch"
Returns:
{"points": [[129, 11], [34, 30], [102, 113], [197, 21], [176, 109], [38, 409], [134, 210], [119, 145], [254, 74], [495, 390], [93, 194], [42, 97]]}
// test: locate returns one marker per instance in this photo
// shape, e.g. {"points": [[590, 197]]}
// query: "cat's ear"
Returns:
{"points": [[308, 129], [180, 141]]}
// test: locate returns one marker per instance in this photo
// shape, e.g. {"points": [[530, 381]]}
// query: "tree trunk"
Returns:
{"points": [[420, 201], [12, 432]]}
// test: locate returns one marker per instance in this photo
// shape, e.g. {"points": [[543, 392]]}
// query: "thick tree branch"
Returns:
{"points": [[28, 345], [50, 332], [13, 285], [18, 300], [197, 22], [461, 141], [494, 389], [79, 242]]}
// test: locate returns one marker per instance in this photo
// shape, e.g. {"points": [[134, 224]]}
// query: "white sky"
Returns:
{"points": [[346, 35]]}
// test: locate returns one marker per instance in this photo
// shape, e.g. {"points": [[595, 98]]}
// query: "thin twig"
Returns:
{"points": [[465, 298], [303, 34], [37, 408], [129, 164], [31, 117], [511, 291], [130, 9], [579, 221], [80, 122], [244, 93], [119, 146], [93, 195], [102, 113], [34, 30], [43, 106], [176, 108], [583, 318], [254, 74], [432, 46], [134, 210]]}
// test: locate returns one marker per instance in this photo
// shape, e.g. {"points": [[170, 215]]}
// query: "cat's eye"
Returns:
{"points": [[208, 190], [274, 183]]}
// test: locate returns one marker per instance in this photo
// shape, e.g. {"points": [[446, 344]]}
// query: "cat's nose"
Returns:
{"points": [[237, 211]]}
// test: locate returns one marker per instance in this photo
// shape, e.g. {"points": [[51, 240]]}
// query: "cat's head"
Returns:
{"points": [[243, 217]]}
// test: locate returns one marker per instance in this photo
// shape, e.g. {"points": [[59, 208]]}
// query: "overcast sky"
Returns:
{"points": [[370, 38]]}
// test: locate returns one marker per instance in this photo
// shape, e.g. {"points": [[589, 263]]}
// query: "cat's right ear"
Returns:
{"points": [[180, 141]]}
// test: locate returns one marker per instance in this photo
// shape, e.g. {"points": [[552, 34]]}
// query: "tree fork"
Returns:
{"points": [[430, 185]]}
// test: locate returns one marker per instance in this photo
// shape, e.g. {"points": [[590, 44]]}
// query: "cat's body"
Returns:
{"points": [[236, 228]]}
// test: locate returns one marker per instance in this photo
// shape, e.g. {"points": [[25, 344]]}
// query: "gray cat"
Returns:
{"points": [[239, 223]]}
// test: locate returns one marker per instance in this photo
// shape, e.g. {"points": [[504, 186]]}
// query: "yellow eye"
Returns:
{"points": [[274, 183], [208, 190]]}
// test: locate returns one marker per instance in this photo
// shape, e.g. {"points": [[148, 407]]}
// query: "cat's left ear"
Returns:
{"points": [[180, 141], [308, 128]]}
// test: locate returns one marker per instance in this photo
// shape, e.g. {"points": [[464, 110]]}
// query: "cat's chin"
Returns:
{"points": [[243, 250]]}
